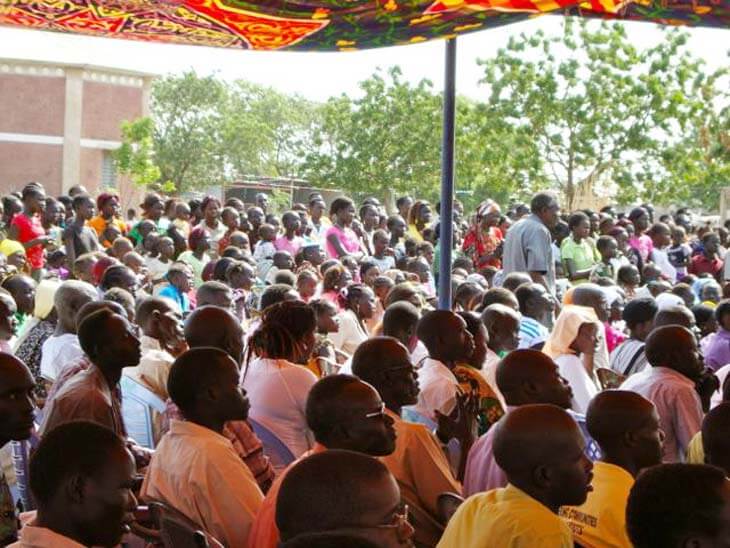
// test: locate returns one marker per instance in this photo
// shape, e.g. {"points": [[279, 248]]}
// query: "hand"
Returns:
{"points": [[461, 422], [706, 386], [389, 252]]}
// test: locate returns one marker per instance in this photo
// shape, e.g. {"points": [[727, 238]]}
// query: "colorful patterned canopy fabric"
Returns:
{"points": [[328, 25]]}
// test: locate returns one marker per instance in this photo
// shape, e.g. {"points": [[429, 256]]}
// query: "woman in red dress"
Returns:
{"points": [[483, 241], [27, 227]]}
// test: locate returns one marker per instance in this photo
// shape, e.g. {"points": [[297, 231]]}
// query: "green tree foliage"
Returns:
{"points": [[135, 158], [600, 110]]}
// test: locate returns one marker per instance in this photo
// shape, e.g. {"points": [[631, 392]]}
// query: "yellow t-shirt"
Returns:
{"points": [[695, 450], [600, 522], [505, 518]]}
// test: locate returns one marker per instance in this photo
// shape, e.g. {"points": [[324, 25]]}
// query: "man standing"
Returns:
{"points": [[527, 247]]}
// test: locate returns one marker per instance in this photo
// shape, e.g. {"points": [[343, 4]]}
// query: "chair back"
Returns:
{"points": [[138, 402], [277, 451], [176, 529], [20, 450]]}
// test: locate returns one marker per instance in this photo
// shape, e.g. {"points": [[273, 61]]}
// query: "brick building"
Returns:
{"points": [[60, 123]]}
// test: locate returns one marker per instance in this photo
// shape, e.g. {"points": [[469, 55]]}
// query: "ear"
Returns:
{"points": [[630, 438], [75, 489], [542, 476]]}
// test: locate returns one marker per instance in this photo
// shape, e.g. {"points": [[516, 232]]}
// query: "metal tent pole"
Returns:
{"points": [[447, 177]]}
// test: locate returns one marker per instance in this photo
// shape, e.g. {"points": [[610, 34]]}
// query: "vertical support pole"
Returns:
{"points": [[447, 177]]}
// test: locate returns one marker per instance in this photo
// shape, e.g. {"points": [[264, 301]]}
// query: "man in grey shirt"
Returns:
{"points": [[527, 245]]}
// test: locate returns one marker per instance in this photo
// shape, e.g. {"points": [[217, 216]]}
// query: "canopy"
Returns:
{"points": [[327, 25]]}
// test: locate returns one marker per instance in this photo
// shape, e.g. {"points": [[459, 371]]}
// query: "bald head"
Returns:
{"points": [[593, 296], [541, 450], [529, 376], [377, 355], [675, 347], [503, 326], [675, 315], [70, 297], [626, 427], [215, 327]]}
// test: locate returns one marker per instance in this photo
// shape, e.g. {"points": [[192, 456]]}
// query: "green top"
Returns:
{"points": [[583, 254]]}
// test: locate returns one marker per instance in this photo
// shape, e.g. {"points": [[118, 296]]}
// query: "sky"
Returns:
{"points": [[318, 76]]}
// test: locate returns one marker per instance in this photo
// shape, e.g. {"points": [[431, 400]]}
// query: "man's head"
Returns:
{"points": [[675, 347], [277, 293], [109, 340], [679, 506], [715, 442], [344, 412], [503, 327], [541, 450], [545, 206], [529, 376], [626, 427], [639, 317], [8, 321], [386, 364], [400, 321], [16, 399], [445, 336], [674, 315], [346, 492], [121, 276], [513, 280], [214, 293], [204, 384], [82, 475], [535, 302], [211, 326], [160, 319], [68, 300], [593, 296], [500, 295], [22, 288]]}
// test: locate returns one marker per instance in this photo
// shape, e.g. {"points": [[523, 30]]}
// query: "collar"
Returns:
{"points": [[34, 536], [396, 418], [189, 428], [438, 366], [669, 372], [150, 343]]}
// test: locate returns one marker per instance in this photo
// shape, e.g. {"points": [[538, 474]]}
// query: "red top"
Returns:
{"points": [[701, 264], [30, 228]]}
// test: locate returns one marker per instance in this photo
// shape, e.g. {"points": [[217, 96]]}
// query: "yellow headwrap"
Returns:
{"points": [[566, 329]]}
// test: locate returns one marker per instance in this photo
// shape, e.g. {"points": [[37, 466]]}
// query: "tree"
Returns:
{"points": [[602, 112], [135, 157], [386, 142], [188, 130]]}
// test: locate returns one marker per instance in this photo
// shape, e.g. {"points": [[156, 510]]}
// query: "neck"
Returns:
{"points": [[391, 403], [59, 523], [214, 424], [78, 221], [447, 362], [577, 239], [62, 329], [536, 494], [112, 374], [622, 461], [198, 253], [290, 234]]}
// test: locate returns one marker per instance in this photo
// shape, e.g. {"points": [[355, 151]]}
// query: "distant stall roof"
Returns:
{"points": [[333, 25]]}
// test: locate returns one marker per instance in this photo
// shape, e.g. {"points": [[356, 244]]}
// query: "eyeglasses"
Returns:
{"points": [[399, 519], [379, 413]]}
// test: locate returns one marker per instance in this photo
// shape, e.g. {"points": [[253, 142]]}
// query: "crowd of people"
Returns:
{"points": [[576, 394]]}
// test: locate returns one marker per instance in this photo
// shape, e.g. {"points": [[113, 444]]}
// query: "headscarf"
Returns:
{"points": [[487, 207], [10, 247], [44, 295], [566, 329]]}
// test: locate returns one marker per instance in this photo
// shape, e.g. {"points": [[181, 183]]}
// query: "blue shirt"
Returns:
{"points": [[174, 294]]}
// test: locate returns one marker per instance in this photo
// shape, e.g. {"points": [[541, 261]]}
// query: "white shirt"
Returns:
{"points": [[196, 471], [153, 368], [278, 390], [350, 334], [157, 269], [57, 352], [489, 370], [661, 259], [584, 387], [32, 536], [438, 389]]}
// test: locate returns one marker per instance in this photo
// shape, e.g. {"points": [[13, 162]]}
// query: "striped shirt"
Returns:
{"points": [[532, 332], [629, 357]]}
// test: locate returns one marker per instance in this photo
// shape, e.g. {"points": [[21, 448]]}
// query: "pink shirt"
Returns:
{"points": [[643, 245], [282, 243], [482, 471], [348, 240]]}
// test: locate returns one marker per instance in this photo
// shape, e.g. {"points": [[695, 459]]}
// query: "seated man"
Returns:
{"points": [[541, 449], [63, 346], [503, 327], [669, 384], [16, 423], [195, 468], [343, 413], [214, 293], [536, 307], [448, 343], [418, 463], [524, 377], [159, 321], [82, 477], [679, 505], [346, 492], [630, 357], [626, 426], [93, 394], [399, 321]]}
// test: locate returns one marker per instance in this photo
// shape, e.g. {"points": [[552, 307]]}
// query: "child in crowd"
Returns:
{"points": [[264, 250], [383, 255], [159, 265], [324, 360], [307, 283], [661, 238], [182, 219], [629, 280], [605, 268], [289, 241], [231, 220]]}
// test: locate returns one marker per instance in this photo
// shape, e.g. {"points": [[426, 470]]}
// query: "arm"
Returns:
{"points": [[335, 242], [68, 242], [574, 273]]}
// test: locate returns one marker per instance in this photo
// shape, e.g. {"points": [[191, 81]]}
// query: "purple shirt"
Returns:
{"points": [[718, 350], [676, 402]]}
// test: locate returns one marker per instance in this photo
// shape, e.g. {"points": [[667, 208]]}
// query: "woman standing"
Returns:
{"points": [[197, 256], [212, 224], [483, 241], [27, 227], [275, 379], [572, 344], [340, 238], [419, 218], [108, 206]]}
